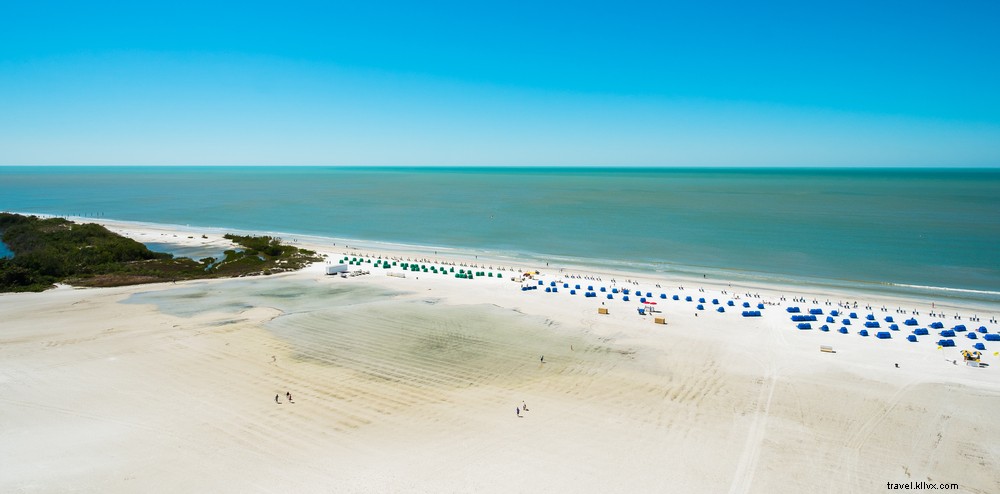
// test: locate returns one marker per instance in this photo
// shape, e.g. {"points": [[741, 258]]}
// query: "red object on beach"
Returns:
{"points": [[650, 303]]}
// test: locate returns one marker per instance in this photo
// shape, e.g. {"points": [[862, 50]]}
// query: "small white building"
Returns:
{"points": [[336, 268]]}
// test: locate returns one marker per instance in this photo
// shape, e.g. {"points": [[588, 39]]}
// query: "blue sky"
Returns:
{"points": [[451, 83]]}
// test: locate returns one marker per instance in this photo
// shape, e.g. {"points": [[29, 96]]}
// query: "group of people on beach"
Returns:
{"points": [[433, 261], [841, 304], [517, 410], [288, 395]]}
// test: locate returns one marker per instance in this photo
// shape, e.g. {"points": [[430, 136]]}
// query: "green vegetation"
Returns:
{"points": [[47, 251]]}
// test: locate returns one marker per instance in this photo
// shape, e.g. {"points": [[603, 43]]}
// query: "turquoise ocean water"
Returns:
{"points": [[875, 229]]}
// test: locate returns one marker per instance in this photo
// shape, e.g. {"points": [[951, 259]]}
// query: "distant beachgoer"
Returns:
{"points": [[517, 411], [542, 360], [897, 366], [288, 395], [276, 400], [525, 406]]}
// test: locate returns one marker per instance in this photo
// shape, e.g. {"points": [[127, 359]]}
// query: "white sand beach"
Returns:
{"points": [[410, 384]]}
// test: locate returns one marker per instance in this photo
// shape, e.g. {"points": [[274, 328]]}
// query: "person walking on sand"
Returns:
{"points": [[517, 411], [277, 399], [542, 360], [288, 394], [524, 405]]}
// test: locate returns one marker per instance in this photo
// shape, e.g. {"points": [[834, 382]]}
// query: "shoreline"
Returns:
{"points": [[948, 296], [878, 294]]}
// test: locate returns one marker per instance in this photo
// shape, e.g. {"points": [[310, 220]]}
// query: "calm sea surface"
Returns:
{"points": [[932, 228]]}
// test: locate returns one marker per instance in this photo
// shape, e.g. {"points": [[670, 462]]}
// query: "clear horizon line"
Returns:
{"points": [[494, 166]]}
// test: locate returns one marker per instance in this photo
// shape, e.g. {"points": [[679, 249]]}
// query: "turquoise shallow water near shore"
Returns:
{"points": [[866, 228]]}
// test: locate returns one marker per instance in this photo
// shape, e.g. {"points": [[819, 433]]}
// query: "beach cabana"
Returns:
{"points": [[824, 328], [829, 319], [834, 313], [804, 325], [888, 319], [863, 332], [982, 329], [675, 297], [731, 303], [959, 327], [625, 298], [871, 324], [687, 299], [911, 337], [937, 325], [715, 301], [853, 315], [991, 337], [750, 313], [720, 309], [971, 336], [979, 346], [910, 322], [947, 333], [604, 289], [847, 322], [894, 327], [760, 306], [883, 335], [590, 288], [649, 294], [946, 343], [700, 307], [572, 292], [663, 296], [792, 310], [920, 332], [577, 287], [614, 290], [816, 311], [870, 317], [746, 304], [842, 330], [701, 300]]}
